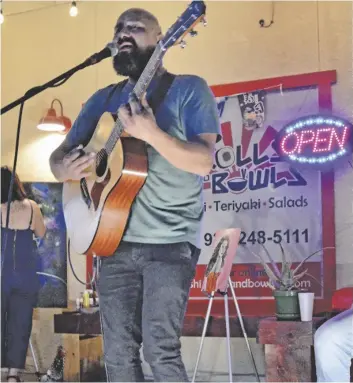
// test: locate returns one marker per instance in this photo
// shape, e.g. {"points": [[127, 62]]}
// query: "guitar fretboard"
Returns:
{"points": [[139, 89]]}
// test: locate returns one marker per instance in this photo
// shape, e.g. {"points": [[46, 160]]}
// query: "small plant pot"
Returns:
{"points": [[287, 305]]}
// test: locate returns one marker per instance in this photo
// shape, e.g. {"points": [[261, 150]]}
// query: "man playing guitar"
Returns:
{"points": [[144, 286]]}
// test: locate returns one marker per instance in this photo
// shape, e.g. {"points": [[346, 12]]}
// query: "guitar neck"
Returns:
{"points": [[139, 90], [149, 72]]}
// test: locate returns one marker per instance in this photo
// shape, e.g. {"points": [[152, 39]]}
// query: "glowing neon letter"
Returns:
{"points": [[303, 140], [284, 140], [317, 140], [343, 138]]}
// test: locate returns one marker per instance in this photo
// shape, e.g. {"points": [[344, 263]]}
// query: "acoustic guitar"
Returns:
{"points": [[97, 208]]}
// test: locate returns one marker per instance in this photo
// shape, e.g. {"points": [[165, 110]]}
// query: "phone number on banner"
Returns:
{"points": [[261, 237]]}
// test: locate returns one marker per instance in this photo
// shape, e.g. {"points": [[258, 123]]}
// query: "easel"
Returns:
{"points": [[226, 317], [37, 373]]}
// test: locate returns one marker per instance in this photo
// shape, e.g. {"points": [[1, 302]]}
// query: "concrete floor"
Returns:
{"points": [[203, 376], [213, 365]]}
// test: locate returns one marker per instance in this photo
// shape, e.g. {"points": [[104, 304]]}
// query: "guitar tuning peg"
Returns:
{"points": [[193, 33], [204, 21], [182, 44]]}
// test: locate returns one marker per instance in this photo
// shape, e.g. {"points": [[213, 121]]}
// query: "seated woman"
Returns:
{"points": [[333, 346], [19, 281]]}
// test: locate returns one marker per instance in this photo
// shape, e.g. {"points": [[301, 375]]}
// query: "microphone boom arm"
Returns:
{"points": [[109, 50]]}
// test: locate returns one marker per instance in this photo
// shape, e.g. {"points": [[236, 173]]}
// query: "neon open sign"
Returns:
{"points": [[315, 139]]}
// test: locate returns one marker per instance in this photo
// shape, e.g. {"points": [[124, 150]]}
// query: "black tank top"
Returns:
{"points": [[19, 257]]}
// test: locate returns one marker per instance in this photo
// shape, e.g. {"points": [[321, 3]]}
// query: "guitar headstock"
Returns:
{"points": [[194, 14]]}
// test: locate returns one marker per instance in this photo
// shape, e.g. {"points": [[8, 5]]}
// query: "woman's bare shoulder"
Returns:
{"points": [[32, 202]]}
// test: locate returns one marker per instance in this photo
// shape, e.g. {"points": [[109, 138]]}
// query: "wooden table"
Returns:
{"points": [[289, 351], [82, 340], [73, 322]]}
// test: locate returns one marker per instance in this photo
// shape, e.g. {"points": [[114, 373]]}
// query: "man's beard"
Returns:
{"points": [[132, 63]]}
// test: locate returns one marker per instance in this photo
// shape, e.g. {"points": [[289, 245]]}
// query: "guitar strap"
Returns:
{"points": [[119, 86], [157, 96]]}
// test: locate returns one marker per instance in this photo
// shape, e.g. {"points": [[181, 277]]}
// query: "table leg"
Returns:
{"points": [[288, 364], [71, 344]]}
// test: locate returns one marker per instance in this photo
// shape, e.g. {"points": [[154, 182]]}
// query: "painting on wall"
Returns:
{"points": [[52, 248]]}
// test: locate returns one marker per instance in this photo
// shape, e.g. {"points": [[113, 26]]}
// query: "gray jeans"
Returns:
{"points": [[143, 292]]}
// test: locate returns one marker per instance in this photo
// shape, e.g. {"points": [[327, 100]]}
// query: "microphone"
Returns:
{"points": [[110, 50]]}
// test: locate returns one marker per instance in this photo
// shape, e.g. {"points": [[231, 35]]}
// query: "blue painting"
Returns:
{"points": [[52, 270]]}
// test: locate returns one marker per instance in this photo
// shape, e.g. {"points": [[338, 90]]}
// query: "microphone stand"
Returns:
{"points": [[92, 60]]}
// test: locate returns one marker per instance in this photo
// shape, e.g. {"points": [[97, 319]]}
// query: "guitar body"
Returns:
{"points": [[96, 213]]}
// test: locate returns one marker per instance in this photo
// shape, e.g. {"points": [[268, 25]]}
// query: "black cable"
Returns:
{"points": [[36, 9], [72, 269], [262, 21], [61, 82]]}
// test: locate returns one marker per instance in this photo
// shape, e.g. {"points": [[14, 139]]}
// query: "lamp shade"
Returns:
{"points": [[53, 123]]}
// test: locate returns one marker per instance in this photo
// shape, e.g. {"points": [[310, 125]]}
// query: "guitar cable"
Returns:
{"points": [[93, 279]]}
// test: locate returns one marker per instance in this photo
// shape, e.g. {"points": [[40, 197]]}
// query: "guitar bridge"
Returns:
{"points": [[84, 192]]}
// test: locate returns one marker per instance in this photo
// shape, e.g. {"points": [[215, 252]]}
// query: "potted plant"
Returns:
{"points": [[283, 283]]}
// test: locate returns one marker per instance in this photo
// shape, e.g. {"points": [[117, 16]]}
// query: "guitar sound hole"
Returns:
{"points": [[101, 163]]}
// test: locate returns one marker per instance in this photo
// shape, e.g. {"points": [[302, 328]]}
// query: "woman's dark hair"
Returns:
{"points": [[18, 192], [216, 254]]}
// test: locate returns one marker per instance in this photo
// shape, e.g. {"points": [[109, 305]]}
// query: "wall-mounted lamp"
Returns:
{"points": [[53, 123]]}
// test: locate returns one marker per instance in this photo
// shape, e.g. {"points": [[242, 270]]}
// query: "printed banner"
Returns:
{"points": [[270, 201]]}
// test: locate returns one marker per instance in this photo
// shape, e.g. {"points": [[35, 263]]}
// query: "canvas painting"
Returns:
{"points": [[220, 265]]}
